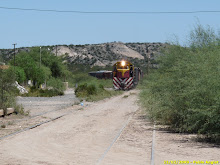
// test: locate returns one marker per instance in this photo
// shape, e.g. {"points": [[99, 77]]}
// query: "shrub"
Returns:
{"points": [[3, 126], [35, 92], [185, 91], [86, 90], [55, 83], [19, 109], [94, 91]]}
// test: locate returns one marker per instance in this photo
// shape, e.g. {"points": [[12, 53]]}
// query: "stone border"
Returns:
{"points": [[1, 112], [8, 111]]}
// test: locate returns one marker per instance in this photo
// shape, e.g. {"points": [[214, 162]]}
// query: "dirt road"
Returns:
{"points": [[109, 132], [37, 105]]}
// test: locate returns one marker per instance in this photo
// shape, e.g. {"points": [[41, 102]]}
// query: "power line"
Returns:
{"points": [[111, 12]]}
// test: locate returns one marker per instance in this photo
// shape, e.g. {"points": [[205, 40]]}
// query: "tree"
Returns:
{"points": [[7, 89], [29, 66], [20, 75], [27, 63], [56, 69], [202, 36], [1, 59]]}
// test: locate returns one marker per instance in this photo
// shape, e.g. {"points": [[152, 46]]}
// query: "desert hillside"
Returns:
{"points": [[98, 54]]}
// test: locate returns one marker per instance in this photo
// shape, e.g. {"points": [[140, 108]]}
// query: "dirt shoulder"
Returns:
{"points": [[173, 148], [37, 105], [40, 109]]}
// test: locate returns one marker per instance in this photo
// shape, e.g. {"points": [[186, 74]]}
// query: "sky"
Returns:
{"points": [[33, 28]]}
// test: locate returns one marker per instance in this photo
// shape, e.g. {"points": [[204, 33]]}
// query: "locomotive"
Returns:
{"points": [[125, 75]]}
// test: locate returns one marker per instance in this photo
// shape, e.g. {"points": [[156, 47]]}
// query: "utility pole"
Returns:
{"points": [[56, 50], [148, 63], [2, 103], [40, 56], [14, 56], [148, 60]]}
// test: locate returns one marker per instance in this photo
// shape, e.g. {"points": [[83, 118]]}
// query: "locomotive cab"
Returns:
{"points": [[123, 75]]}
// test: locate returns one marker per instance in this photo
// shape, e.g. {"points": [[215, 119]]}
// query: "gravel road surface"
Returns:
{"points": [[37, 105]]}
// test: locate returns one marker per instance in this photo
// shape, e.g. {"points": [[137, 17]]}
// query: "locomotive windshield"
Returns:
{"points": [[122, 67]]}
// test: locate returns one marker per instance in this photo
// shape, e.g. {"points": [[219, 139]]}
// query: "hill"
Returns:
{"points": [[98, 54]]}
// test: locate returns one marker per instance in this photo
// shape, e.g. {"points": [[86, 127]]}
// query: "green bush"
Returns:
{"points": [[94, 91], [19, 109], [84, 90], [185, 91], [35, 92], [91, 88], [56, 84], [81, 78]]}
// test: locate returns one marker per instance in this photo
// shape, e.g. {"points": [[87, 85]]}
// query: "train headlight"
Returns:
{"points": [[123, 63]]}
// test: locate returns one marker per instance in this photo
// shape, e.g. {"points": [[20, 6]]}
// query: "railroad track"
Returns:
{"points": [[102, 158], [38, 124], [117, 136], [39, 114]]}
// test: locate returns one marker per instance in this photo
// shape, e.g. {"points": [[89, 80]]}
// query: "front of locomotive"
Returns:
{"points": [[123, 75]]}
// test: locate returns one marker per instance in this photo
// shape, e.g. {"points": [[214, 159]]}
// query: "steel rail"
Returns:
{"points": [[152, 147], [114, 140], [40, 114], [33, 126]]}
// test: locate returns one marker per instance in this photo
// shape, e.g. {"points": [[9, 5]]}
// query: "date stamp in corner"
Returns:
{"points": [[190, 162]]}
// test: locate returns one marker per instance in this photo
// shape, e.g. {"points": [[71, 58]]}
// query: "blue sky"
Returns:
{"points": [[32, 28]]}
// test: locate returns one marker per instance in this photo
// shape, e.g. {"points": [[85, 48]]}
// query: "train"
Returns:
{"points": [[125, 76]]}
